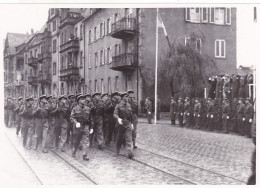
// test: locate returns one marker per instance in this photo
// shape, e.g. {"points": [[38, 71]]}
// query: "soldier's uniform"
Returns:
{"points": [[27, 122], [134, 107], [197, 114], [210, 115], [240, 116], [173, 110], [9, 111], [72, 104], [53, 139], [180, 112], [226, 112], [148, 107], [186, 114], [97, 112], [248, 117], [123, 112], [42, 124], [81, 119], [18, 117]]}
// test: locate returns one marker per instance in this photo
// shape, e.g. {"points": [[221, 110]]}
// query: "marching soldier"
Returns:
{"points": [[98, 112], [72, 104], [18, 117], [53, 128], [173, 110], [180, 112], [226, 111], [248, 117], [81, 119], [123, 114], [42, 123], [234, 115], [197, 113], [240, 116], [9, 111], [210, 115], [62, 113], [148, 106], [186, 114], [134, 106], [26, 113]]}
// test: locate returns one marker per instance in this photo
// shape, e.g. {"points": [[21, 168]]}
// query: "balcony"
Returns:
{"points": [[43, 56], [46, 34], [124, 62], [33, 62], [32, 80], [69, 74], [124, 28], [71, 45], [70, 19], [44, 78]]}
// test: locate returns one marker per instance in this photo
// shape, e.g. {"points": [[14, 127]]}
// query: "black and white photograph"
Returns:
{"points": [[128, 94]]}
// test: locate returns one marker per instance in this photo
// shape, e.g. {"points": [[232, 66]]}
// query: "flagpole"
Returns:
{"points": [[156, 66]]}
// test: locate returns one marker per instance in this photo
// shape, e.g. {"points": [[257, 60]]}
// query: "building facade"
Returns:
{"points": [[112, 49]]}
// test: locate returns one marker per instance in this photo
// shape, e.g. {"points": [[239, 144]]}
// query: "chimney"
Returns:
{"points": [[32, 31]]}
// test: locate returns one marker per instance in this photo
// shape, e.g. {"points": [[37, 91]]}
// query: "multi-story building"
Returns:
{"points": [[106, 50]]}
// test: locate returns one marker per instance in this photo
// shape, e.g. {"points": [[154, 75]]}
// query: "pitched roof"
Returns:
{"points": [[14, 39]]}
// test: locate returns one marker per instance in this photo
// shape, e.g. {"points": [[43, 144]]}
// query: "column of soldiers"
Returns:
{"points": [[224, 115], [78, 121]]}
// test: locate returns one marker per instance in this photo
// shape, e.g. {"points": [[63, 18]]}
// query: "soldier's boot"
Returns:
{"points": [[130, 155], [134, 146], [85, 157]]}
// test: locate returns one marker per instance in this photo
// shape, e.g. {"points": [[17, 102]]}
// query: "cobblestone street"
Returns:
{"points": [[166, 154]]}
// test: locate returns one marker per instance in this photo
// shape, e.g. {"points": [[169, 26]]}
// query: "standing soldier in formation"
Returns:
{"points": [[210, 116], [123, 114], [186, 114], [62, 113], [148, 107], [234, 123], [248, 117], [134, 107], [197, 113], [173, 109], [72, 104], [18, 117], [98, 112], [226, 111], [180, 112], [81, 119], [106, 118], [52, 106], [9, 111], [42, 123], [240, 116]]}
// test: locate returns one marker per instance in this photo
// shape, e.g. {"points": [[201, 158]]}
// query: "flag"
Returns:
{"points": [[161, 25]]}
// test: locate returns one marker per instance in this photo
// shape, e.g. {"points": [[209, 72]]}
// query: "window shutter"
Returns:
{"points": [[212, 15], [110, 54], [228, 16]]}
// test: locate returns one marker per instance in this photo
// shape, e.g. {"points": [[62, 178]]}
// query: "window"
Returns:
{"points": [[212, 15], [220, 49], [95, 33], [54, 25], [102, 55], [76, 32], [117, 49], [96, 59], [109, 55], [108, 26], [195, 15], [101, 30], [109, 85], [89, 36], [102, 85], [89, 61], [116, 83], [219, 16], [54, 46], [81, 32], [54, 68], [204, 15], [49, 27], [194, 43], [81, 58], [187, 14], [117, 17], [228, 16]]}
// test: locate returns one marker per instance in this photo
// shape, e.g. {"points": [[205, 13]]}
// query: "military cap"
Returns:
{"points": [[96, 93], [240, 98], [71, 96], [48, 97], [180, 98], [104, 94], [42, 97], [62, 97], [148, 98], [196, 98], [187, 98], [87, 95], [130, 91], [80, 96], [28, 99], [123, 94], [115, 93], [248, 99], [9, 97], [209, 99], [20, 98], [172, 97]]}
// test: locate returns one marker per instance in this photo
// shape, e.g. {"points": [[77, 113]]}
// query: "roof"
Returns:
{"points": [[15, 39]]}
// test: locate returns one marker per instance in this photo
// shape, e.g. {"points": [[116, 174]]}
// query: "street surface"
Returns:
{"points": [[166, 154]]}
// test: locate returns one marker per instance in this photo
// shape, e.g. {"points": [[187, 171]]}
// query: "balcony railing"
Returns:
{"points": [[33, 62], [72, 44], [124, 62], [69, 73], [32, 80], [70, 19], [44, 55], [124, 28]]}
